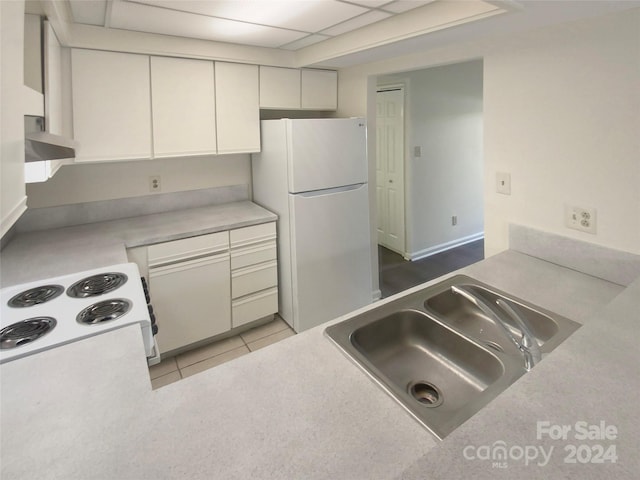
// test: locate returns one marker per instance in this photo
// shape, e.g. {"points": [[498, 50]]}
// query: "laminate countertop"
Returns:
{"points": [[54, 252], [299, 409]]}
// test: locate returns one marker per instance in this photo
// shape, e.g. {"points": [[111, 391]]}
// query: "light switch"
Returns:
{"points": [[503, 183]]}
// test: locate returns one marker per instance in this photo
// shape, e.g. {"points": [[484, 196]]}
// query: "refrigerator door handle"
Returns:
{"points": [[330, 191]]}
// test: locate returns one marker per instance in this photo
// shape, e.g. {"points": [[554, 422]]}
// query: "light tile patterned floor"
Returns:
{"points": [[189, 363]]}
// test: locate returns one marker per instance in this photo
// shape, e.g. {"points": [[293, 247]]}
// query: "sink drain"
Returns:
{"points": [[426, 393], [495, 346]]}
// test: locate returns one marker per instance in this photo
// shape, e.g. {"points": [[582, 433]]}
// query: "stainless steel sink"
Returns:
{"points": [[439, 355], [549, 329]]}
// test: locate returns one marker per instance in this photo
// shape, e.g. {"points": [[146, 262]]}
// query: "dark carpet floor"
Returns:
{"points": [[398, 274]]}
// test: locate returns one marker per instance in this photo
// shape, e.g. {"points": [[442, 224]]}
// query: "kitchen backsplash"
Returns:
{"points": [[100, 211], [612, 265]]}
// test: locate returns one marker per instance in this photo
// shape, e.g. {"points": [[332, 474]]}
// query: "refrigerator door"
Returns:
{"points": [[326, 153], [331, 254]]}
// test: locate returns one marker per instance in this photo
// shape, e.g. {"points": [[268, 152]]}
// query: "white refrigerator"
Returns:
{"points": [[313, 174]]}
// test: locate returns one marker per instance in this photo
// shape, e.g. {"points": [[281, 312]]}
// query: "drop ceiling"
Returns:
{"points": [[321, 33], [283, 24]]}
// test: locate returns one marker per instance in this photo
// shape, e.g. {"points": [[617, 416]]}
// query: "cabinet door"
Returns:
{"points": [[111, 105], [183, 106], [42, 171], [279, 87], [237, 108], [191, 301], [319, 90]]}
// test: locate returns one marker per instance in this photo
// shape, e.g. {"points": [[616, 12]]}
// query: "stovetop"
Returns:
{"points": [[68, 308]]}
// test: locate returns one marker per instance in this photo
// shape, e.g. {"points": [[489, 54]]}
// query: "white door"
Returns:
{"points": [[390, 168], [326, 153], [331, 254]]}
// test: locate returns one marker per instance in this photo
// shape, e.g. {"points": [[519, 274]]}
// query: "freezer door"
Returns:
{"points": [[326, 153], [331, 254]]}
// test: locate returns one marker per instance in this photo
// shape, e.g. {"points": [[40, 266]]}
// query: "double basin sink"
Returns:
{"points": [[446, 351]]}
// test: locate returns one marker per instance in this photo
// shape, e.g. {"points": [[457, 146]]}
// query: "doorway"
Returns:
{"points": [[390, 189], [438, 226]]}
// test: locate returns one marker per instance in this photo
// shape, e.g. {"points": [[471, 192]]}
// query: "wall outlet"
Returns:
{"points": [[503, 183], [417, 151], [154, 183], [580, 218]]}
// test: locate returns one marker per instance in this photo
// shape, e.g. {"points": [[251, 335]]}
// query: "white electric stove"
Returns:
{"points": [[49, 313]]}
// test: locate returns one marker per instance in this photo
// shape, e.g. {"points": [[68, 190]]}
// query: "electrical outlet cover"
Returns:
{"points": [[582, 219], [503, 183]]}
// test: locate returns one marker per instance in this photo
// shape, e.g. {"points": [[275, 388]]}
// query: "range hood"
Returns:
{"points": [[40, 145]]}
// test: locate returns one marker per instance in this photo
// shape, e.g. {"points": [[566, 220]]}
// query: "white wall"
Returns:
{"points": [[12, 194], [107, 181], [561, 114], [444, 118]]}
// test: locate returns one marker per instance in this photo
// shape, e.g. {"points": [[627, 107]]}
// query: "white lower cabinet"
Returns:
{"points": [[190, 287], [252, 307], [206, 285], [254, 273]]}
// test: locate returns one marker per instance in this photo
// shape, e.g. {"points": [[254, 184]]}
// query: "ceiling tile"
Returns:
{"points": [[366, 19], [90, 13], [303, 15], [370, 3], [144, 18], [305, 42], [405, 5]]}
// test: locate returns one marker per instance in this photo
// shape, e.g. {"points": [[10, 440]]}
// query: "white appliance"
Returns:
{"points": [[45, 314], [313, 174]]}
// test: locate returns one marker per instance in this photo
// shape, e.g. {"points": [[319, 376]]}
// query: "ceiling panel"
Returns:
{"points": [[405, 5], [366, 19], [302, 15], [370, 3], [90, 13], [145, 18], [305, 42]]}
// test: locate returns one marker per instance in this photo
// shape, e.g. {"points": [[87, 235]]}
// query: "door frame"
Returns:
{"points": [[402, 86]]}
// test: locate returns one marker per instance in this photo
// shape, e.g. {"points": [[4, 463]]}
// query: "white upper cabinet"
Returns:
{"points": [[42, 171], [319, 90], [279, 88], [111, 105], [183, 106], [237, 107]]}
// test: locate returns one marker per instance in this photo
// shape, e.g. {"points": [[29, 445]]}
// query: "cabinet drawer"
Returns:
{"points": [[254, 234], [252, 255], [254, 307], [253, 279], [177, 250]]}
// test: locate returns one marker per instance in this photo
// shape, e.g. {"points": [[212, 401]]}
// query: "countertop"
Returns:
{"points": [[50, 253], [300, 409]]}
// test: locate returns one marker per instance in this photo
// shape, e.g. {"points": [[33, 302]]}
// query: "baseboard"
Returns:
{"points": [[427, 252], [377, 295]]}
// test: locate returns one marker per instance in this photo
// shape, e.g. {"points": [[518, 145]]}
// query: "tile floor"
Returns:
{"points": [[208, 356]]}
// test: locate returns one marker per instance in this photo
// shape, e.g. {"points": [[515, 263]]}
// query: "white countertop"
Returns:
{"points": [[300, 409], [51, 253]]}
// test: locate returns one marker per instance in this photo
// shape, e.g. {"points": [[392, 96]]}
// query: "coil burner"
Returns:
{"points": [[35, 296], [97, 285], [25, 331], [105, 311]]}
